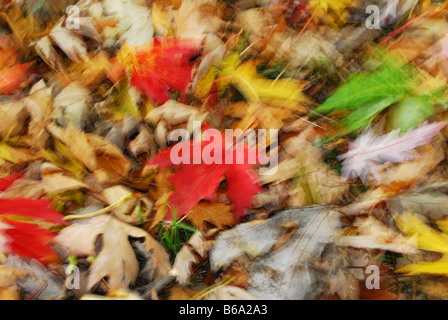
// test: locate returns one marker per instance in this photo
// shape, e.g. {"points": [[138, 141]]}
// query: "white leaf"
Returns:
{"points": [[71, 105], [373, 234], [116, 260], [367, 150], [195, 19], [230, 293], [135, 23], [196, 249], [72, 46], [277, 261]]}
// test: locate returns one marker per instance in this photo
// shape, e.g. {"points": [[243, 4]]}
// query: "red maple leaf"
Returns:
{"points": [[7, 181], [25, 239], [13, 74], [164, 66], [195, 182]]}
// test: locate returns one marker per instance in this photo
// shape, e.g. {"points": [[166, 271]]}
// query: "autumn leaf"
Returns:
{"points": [[78, 144], [367, 149], [7, 181], [241, 179], [255, 87], [14, 74], [277, 250], [163, 67], [410, 113], [134, 21], [195, 250], [93, 71], [332, 12], [372, 234], [71, 106], [94, 93], [426, 238], [25, 238], [116, 259], [211, 215]]}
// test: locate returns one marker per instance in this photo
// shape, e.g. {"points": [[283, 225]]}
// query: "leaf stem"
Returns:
{"points": [[99, 212]]}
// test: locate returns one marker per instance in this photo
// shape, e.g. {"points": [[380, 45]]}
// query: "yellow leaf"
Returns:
{"points": [[255, 87], [428, 239], [261, 116], [92, 71], [66, 160], [77, 143], [205, 83], [162, 20], [16, 155], [334, 12]]}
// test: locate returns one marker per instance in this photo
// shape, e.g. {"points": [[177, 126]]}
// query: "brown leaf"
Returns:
{"points": [[38, 105], [143, 145], [77, 142], [17, 155], [181, 293], [59, 182], [112, 164], [26, 188], [206, 215], [372, 234], [91, 72], [71, 106], [240, 276], [13, 118], [8, 276], [116, 260], [10, 293], [195, 250], [129, 210]]}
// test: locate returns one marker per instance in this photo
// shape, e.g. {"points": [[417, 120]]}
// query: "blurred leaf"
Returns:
{"points": [[392, 79], [255, 87], [426, 238], [410, 113], [116, 260]]}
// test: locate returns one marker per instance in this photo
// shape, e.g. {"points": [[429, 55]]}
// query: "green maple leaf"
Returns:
{"points": [[394, 84], [364, 89], [410, 112]]}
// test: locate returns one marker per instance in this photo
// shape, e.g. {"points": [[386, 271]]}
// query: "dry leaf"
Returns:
{"points": [[372, 234], [8, 276], [112, 163], [208, 215], [195, 250], [116, 259], [281, 274], [181, 293], [10, 293], [70, 106], [230, 293], [69, 43], [78, 144]]}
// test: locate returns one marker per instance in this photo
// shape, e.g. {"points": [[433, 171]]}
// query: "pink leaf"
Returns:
{"points": [[367, 149]]}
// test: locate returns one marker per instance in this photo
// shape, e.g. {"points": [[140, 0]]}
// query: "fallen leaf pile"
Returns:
{"points": [[223, 150]]}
